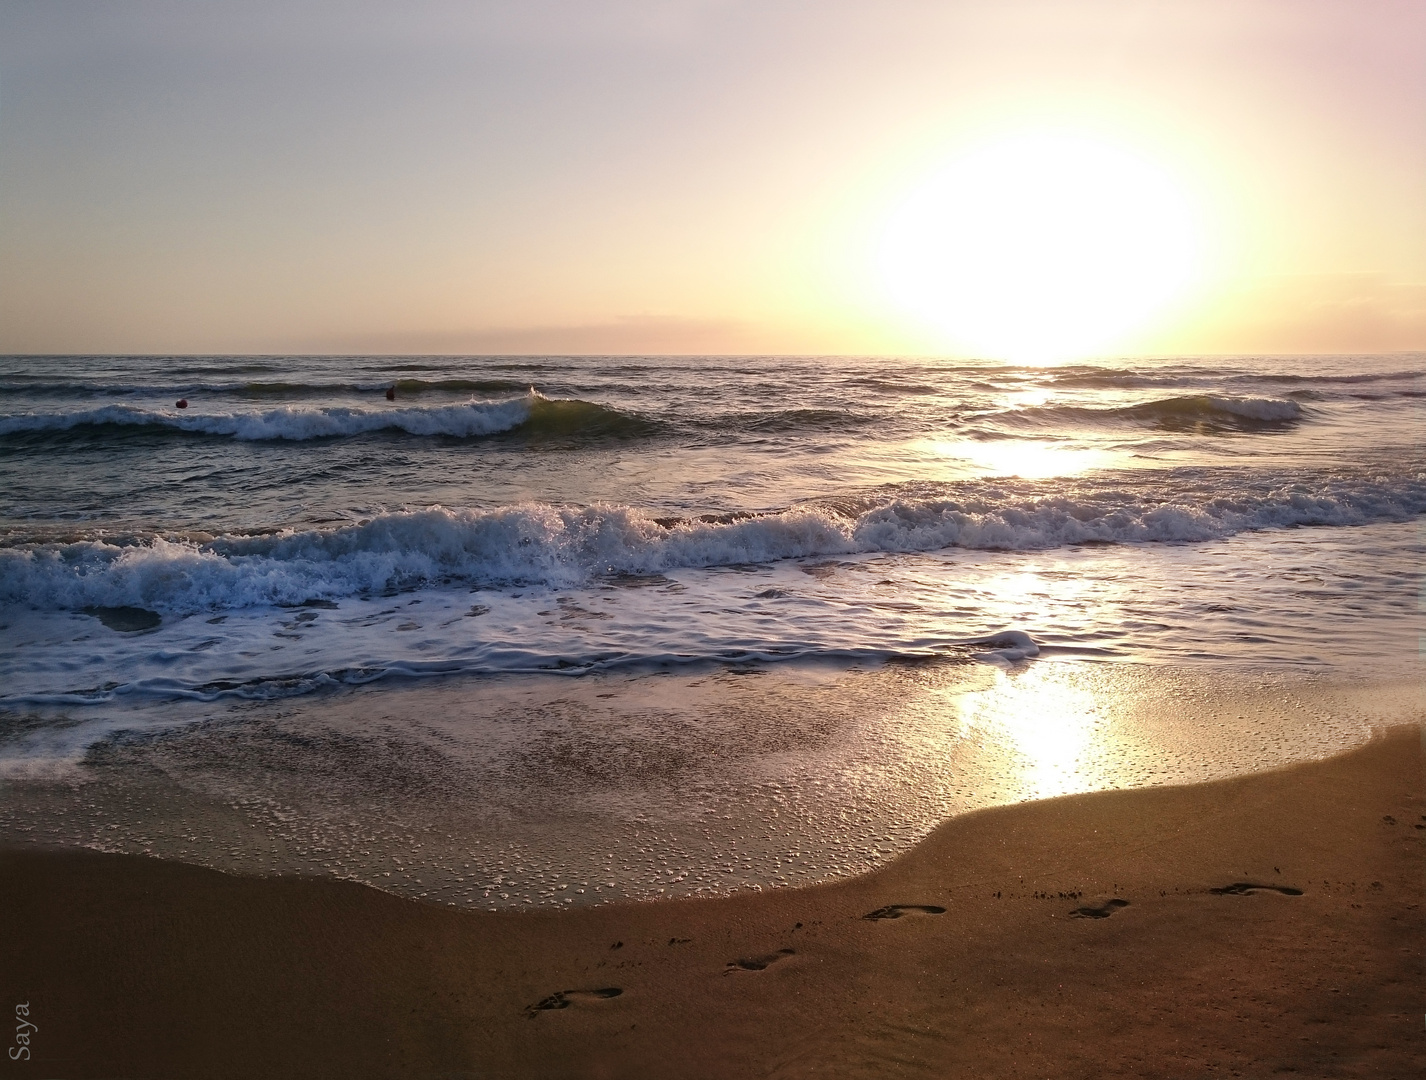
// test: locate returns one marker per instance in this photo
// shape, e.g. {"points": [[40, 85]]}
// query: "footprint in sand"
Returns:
{"points": [[1103, 911], [896, 911], [1245, 888], [565, 998], [757, 963]]}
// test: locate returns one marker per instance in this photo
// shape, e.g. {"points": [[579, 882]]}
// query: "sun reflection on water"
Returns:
{"points": [[1030, 460], [1053, 729]]}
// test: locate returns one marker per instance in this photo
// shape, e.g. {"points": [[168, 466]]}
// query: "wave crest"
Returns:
{"points": [[1206, 406], [1199, 411], [534, 413], [542, 544]]}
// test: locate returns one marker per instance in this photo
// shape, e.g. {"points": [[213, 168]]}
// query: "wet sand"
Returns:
{"points": [[1265, 924]]}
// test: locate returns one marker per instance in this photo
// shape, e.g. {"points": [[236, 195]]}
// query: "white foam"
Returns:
{"points": [[1187, 604], [1266, 409], [1008, 647], [465, 420], [536, 543]]}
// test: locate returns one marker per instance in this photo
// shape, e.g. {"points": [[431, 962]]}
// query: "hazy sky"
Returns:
{"points": [[671, 175]]}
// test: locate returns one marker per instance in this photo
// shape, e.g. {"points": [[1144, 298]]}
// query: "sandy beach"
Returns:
{"points": [[1261, 925]]}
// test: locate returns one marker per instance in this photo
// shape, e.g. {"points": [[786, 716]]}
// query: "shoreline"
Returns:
{"points": [[143, 968], [494, 794]]}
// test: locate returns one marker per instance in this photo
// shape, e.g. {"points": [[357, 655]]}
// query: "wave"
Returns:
{"points": [[1004, 648], [1199, 411], [1203, 406], [1177, 377], [40, 387], [558, 546], [532, 414]]}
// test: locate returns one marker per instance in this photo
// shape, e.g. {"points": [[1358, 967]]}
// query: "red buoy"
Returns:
{"points": [[391, 393], [182, 403]]}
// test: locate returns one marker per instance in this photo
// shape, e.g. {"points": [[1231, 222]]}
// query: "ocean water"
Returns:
{"points": [[611, 587]]}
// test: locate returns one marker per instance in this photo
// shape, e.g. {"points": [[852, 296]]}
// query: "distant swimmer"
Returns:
{"points": [[181, 403], [391, 393]]}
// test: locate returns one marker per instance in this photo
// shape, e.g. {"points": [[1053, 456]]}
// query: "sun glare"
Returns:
{"points": [[1040, 247], [1027, 460]]}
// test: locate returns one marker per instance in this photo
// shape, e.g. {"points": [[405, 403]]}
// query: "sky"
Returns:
{"points": [[703, 176]]}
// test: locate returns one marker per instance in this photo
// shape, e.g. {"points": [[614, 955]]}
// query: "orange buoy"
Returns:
{"points": [[182, 403], [391, 393]]}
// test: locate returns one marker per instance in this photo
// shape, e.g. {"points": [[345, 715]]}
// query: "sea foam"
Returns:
{"points": [[533, 412], [562, 546]]}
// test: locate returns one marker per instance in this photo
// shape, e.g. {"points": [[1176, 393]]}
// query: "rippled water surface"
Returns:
{"points": [[325, 585]]}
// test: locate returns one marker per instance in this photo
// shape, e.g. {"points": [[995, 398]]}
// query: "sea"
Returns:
{"points": [[530, 631]]}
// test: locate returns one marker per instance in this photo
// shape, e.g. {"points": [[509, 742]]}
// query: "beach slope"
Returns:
{"points": [[1270, 923]]}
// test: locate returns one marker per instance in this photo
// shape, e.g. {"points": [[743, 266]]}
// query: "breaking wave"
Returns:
{"points": [[1197, 410], [532, 414], [1183, 377], [541, 544]]}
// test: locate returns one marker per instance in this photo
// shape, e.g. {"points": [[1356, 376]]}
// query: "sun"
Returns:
{"points": [[1040, 247]]}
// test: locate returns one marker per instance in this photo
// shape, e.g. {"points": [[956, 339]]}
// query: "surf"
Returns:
{"points": [[532, 413], [563, 546]]}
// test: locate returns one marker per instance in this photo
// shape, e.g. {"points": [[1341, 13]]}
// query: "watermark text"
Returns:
{"points": [[24, 1028]]}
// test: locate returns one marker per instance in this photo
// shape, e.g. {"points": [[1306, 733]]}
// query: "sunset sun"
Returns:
{"points": [[1040, 247]]}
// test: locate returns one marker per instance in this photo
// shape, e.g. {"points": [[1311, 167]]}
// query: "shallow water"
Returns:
{"points": [[539, 790]]}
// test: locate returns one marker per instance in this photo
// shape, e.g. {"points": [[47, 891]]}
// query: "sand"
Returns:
{"points": [[1267, 924]]}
